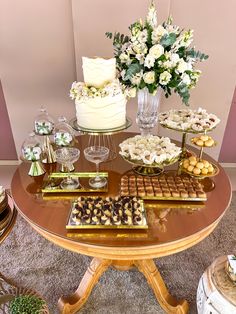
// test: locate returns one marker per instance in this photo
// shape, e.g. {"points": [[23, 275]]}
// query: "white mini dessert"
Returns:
{"points": [[100, 101]]}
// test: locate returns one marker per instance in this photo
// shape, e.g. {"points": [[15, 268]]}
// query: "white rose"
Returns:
{"points": [[156, 51], [165, 78], [142, 36], [149, 77], [182, 66], [174, 58], [158, 33], [186, 79], [140, 57], [149, 61]]}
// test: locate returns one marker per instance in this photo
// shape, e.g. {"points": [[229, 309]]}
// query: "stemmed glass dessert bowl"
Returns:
{"points": [[67, 156], [97, 154]]}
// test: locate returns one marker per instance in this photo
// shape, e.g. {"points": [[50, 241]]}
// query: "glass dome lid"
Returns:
{"points": [[44, 123], [63, 134], [31, 148]]}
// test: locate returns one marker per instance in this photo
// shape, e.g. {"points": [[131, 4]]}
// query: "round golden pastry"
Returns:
{"points": [[209, 143], [190, 168], [199, 142], [204, 138], [196, 171], [200, 165]]}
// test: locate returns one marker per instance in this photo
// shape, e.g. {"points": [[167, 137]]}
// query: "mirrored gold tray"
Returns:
{"points": [[52, 185], [131, 188], [72, 225]]}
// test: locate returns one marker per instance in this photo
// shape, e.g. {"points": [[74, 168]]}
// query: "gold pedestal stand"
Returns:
{"points": [[102, 137]]}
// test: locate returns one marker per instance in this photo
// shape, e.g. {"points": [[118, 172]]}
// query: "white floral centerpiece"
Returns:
{"points": [[157, 56]]}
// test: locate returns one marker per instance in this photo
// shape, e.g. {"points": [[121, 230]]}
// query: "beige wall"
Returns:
{"points": [[37, 52], [37, 63]]}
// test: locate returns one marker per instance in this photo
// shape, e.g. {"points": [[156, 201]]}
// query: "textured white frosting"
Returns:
{"points": [[101, 112], [98, 72]]}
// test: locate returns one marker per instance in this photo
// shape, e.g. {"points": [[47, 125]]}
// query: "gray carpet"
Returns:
{"points": [[31, 261]]}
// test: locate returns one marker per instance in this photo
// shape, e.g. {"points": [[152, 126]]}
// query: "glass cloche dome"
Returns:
{"points": [[31, 148], [63, 134], [44, 123]]}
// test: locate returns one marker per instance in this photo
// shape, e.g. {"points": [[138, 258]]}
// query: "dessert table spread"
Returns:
{"points": [[172, 227]]}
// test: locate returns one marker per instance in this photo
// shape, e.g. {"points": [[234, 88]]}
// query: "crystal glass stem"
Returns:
{"points": [[97, 172]]}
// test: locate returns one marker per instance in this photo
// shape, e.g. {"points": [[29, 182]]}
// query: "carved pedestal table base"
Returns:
{"points": [[72, 303]]}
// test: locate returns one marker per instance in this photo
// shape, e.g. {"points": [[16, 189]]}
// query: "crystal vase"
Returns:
{"points": [[148, 105]]}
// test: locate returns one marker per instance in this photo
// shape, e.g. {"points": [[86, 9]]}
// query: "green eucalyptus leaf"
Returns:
{"points": [[168, 40], [132, 70]]}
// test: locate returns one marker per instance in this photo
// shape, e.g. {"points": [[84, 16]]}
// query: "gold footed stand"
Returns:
{"points": [[73, 303], [147, 171], [50, 156], [102, 137], [36, 169]]}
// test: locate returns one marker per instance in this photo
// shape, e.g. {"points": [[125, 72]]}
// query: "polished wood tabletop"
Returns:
{"points": [[169, 222]]}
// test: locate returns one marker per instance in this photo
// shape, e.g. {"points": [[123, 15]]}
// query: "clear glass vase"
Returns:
{"points": [[148, 106]]}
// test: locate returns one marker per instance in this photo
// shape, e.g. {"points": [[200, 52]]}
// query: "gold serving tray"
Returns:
{"points": [[56, 177], [171, 198], [203, 176], [72, 225]]}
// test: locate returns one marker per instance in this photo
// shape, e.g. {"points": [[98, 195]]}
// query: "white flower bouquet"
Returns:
{"points": [[157, 56]]}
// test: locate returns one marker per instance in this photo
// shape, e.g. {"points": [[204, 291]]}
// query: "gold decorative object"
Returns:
{"points": [[36, 169], [50, 157]]}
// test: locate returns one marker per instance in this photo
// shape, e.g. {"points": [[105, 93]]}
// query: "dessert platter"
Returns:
{"points": [[167, 187], [188, 121], [149, 154], [108, 213]]}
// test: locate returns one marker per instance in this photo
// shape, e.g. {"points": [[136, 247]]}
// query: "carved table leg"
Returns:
{"points": [[166, 301], [72, 303]]}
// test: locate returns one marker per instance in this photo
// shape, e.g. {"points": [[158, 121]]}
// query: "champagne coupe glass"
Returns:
{"points": [[97, 154], [67, 156]]}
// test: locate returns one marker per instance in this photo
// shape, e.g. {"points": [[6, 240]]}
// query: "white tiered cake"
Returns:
{"points": [[100, 101]]}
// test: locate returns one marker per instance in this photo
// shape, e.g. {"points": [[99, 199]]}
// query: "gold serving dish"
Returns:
{"points": [[203, 176], [73, 224], [52, 185], [153, 169], [204, 146]]}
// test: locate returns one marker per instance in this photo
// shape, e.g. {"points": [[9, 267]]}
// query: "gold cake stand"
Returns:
{"points": [[102, 137]]}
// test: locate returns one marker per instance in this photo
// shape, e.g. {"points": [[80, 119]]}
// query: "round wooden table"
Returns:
{"points": [[173, 227]]}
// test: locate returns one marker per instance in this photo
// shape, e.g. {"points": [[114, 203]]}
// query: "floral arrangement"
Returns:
{"points": [[157, 56], [80, 91], [149, 149], [188, 120]]}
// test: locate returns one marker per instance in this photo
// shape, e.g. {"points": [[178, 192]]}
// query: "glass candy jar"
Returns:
{"points": [[31, 152], [44, 126]]}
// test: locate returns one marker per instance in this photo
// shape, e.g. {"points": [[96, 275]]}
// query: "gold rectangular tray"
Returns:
{"points": [[57, 177], [189, 199], [72, 225]]}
